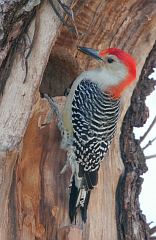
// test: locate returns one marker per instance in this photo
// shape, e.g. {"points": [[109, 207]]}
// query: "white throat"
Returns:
{"points": [[105, 77]]}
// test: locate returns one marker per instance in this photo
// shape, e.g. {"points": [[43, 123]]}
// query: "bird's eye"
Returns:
{"points": [[110, 60]]}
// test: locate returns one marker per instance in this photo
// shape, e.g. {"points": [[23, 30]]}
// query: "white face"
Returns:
{"points": [[110, 72], [114, 65]]}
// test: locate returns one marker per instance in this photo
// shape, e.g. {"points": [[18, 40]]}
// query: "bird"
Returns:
{"points": [[89, 118]]}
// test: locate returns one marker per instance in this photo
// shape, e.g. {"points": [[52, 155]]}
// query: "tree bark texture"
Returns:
{"points": [[131, 221], [34, 196]]}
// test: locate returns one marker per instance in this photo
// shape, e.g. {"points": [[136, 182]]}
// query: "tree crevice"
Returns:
{"points": [[129, 187]]}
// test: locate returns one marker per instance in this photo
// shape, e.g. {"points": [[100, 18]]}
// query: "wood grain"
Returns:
{"points": [[34, 196]]}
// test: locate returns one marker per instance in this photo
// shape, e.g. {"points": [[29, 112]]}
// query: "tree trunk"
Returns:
{"points": [[34, 196]]}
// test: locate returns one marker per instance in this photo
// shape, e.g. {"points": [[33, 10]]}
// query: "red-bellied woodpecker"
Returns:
{"points": [[89, 119]]}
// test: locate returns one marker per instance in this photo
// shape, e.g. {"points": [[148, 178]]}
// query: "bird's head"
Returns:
{"points": [[116, 70]]}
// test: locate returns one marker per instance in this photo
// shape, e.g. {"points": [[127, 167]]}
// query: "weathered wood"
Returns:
{"points": [[131, 222], [19, 96], [15, 18], [127, 28], [37, 207]]}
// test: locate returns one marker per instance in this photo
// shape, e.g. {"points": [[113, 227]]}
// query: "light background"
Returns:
{"points": [[148, 193]]}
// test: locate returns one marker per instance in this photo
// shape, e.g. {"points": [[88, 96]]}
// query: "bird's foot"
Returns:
{"points": [[52, 103]]}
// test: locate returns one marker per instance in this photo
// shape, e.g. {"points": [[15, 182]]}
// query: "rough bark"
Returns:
{"points": [[131, 222], [21, 86], [34, 196]]}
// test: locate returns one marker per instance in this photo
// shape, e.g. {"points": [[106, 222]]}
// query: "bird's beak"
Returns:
{"points": [[91, 52]]}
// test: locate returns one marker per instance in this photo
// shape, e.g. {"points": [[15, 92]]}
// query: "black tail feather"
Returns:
{"points": [[91, 179], [72, 200], [74, 195]]}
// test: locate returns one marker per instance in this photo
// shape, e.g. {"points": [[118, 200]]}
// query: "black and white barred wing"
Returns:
{"points": [[94, 118]]}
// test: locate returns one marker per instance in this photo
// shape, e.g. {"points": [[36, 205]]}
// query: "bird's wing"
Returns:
{"points": [[94, 123]]}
